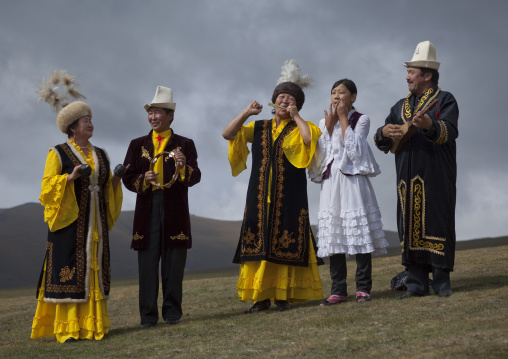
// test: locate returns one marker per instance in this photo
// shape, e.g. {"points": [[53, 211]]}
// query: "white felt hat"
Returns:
{"points": [[163, 98], [424, 56]]}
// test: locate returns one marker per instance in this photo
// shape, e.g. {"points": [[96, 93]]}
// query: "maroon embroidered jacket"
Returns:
{"points": [[177, 230]]}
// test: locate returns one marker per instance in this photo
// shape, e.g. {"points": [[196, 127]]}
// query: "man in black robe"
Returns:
{"points": [[426, 175], [161, 229]]}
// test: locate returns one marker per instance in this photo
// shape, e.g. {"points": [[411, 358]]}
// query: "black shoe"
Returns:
{"points": [[282, 305], [259, 306], [70, 340], [409, 295], [445, 292], [172, 321], [147, 325]]}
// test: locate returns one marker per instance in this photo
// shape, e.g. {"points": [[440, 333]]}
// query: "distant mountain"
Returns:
{"points": [[23, 236], [23, 242]]}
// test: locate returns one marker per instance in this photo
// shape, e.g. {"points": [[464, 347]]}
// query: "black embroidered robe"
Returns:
{"points": [[279, 232], [177, 227], [68, 253], [426, 177]]}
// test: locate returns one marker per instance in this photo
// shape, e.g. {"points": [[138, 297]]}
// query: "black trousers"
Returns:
{"points": [[363, 276], [172, 266], [418, 278]]}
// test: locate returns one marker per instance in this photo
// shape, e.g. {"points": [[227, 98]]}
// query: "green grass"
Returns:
{"points": [[469, 324]]}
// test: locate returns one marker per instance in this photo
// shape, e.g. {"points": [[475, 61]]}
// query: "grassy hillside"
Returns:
{"points": [[23, 235], [469, 324]]}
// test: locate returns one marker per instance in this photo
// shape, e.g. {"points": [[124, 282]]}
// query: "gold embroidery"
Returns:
{"points": [[66, 274], [81, 230], [254, 246], [137, 237], [406, 109], [282, 241], [106, 266], [263, 176], [418, 239], [443, 136], [145, 153], [180, 237], [402, 198], [287, 239], [137, 184], [190, 172]]}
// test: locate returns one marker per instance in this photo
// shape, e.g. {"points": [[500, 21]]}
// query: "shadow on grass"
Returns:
{"points": [[458, 285], [232, 310]]}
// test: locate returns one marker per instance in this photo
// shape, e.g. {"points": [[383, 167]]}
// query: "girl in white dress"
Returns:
{"points": [[349, 220]]}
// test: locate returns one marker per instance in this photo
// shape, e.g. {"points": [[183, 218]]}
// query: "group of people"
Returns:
{"points": [[277, 251]]}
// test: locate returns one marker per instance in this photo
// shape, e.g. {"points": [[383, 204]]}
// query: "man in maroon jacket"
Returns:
{"points": [[163, 165]]}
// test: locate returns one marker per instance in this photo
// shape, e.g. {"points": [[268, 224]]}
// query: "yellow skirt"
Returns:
{"points": [[260, 280], [87, 320]]}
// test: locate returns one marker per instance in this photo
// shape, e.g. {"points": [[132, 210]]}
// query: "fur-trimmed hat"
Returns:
{"points": [[292, 89], [70, 113], [291, 82]]}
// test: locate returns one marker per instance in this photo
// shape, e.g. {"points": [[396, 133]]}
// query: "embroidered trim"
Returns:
{"points": [[180, 237], [263, 186], [282, 241], [66, 274], [443, 135], [137, 237], [248, 238], [405, 112], [145, 153], [104, 246], [137, 183], [418, 239], [190, 172], [80, 239], [402, 190]]}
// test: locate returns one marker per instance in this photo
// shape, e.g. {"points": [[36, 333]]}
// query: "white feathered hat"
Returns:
{"points": [[292, 82], [50, 91]]}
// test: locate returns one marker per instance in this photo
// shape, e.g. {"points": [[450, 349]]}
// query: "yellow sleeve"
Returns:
{"points": [[114, 199], [181, 173], [238, 151], [296, 151], [57, 196]]}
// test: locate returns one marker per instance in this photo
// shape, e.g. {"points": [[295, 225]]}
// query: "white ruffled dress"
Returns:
{"points": [[349, 219]]}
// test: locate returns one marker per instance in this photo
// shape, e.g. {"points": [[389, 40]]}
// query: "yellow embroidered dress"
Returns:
{"points": [[260, 280], [73, 319]]}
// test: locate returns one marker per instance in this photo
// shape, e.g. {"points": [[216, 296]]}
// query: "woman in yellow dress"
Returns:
{"points": [[276, 250], [82, 201]]}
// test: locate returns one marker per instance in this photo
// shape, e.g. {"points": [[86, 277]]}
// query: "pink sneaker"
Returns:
{"points": [[362, 297], [334, 299]]}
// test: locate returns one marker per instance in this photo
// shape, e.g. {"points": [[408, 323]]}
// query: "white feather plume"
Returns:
{"points": [[290, 72], [57, 88]]}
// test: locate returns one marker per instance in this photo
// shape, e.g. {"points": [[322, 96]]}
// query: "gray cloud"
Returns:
{"points": [[220, 55]]}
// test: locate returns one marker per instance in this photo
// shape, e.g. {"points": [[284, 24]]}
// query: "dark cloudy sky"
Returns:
{"points": [[219, 55]]}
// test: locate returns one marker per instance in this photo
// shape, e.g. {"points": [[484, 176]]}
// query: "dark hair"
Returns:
{"points": [[72, 125], [168, 111], [350, 85], [434, 73]]}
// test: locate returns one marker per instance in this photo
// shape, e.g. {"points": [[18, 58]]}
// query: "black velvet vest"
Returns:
{"points": [[68, 252], [278, 232]]}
